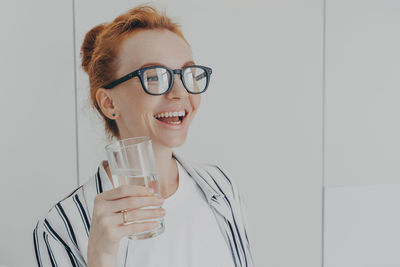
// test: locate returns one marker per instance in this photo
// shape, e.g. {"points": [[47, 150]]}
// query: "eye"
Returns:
{"points": [[152, 78]]}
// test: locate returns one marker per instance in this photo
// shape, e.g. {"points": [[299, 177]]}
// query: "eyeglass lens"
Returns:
{"points": [[156, 80]]}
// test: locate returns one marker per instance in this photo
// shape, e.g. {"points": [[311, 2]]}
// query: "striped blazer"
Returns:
{"points": [[61, 237]]}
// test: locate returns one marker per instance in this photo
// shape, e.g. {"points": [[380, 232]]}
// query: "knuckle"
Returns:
{"points": [[157, 201], [133, 200], [123, 190], [156, 212], [136, 187], [134, 214], [137, 202], [97, 199], [152, 201], [161, 213], [99, 207]]}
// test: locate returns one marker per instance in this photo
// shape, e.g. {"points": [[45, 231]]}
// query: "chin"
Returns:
{"points": [[173, 141]]}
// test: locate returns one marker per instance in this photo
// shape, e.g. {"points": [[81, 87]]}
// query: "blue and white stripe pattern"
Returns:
{"points": [[61, 237]]}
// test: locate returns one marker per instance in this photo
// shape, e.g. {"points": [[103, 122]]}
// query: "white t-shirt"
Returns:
{"points": [[191, 231]]}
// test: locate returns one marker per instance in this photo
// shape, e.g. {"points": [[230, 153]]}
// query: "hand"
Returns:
{"points": [[107, 226]]}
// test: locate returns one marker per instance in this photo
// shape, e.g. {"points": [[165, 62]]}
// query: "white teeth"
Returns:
{"points": [[170, 114]]}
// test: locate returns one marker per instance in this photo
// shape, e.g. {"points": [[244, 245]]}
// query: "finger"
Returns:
{"points": [[130, 203], [125, 191], [136, 228], [116, 219]]}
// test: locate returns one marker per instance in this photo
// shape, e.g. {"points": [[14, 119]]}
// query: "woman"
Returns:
{"points": [[205, 222]]}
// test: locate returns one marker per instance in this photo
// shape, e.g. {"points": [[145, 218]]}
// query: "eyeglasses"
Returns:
{"points": [[158, 80]]}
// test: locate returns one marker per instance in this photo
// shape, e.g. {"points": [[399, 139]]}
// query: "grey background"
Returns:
{"points": [[319, 107]]}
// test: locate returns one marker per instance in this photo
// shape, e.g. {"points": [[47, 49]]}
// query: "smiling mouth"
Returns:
{"points": [[174, 120]]}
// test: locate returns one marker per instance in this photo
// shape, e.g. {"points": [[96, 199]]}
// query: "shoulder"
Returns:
{"points": [[53, 219], [219, 172], [58, 237], [215, 174], [73, 207], [222, 177], [66, 222]]}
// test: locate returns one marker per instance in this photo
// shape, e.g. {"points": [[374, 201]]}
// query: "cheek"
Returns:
{"points": [[136, 102], [132, 105], [195, 100], [143, 108]]}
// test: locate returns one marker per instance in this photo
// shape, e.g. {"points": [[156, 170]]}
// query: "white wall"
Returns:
{"points": [[362, 226], [266, 128], [37, 155], [362, 174], [362, 92]]}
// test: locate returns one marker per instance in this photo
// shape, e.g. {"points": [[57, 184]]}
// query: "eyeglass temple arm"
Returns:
{"points": [[121, 80]]}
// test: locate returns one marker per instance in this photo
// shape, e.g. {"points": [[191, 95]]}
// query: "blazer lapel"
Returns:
{"points": [[215, 197]]}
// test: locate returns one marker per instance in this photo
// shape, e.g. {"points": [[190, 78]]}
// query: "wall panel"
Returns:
{"points": [[37, 155]]}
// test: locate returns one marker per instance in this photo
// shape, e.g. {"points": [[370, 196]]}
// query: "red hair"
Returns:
{"points": [[101, 45]]}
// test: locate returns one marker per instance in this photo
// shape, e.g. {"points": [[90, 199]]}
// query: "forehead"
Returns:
{"points": [[145, 46]]}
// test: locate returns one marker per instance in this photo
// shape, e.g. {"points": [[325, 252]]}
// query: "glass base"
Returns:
{"points": [[148, 234]]}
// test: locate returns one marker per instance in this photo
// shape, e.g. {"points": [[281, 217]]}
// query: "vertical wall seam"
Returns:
{"points": [[323, 129], [76, 94]]}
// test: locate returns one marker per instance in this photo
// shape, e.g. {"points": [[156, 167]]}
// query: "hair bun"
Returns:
{"points": [[88, 45]]}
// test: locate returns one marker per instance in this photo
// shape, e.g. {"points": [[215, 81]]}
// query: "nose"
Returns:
{"points": [[178, 90]]}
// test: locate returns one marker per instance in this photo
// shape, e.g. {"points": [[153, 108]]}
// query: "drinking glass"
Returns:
{"points": [[132, 161]]}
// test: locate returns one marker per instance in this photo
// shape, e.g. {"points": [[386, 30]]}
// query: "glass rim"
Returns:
{"points": [[113, 146], [148, 89]]}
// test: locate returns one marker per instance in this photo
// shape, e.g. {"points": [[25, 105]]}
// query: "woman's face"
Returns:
{"points": [[137, 109]]}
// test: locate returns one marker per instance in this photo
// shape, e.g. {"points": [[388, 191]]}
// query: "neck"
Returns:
{"points": [[167, 170]]}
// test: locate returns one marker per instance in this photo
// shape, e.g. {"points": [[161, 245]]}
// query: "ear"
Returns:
{"points": [[106, 103]]}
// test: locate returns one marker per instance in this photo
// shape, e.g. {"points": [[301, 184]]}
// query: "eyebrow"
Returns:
{"points": [[191, 62]]}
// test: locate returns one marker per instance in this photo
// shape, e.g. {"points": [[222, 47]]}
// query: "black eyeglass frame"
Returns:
{"points": [[139, 73]]}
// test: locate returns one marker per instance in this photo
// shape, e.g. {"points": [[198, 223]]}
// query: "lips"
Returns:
{"points": [[172, 119], [173, 126], [173, 109]]}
